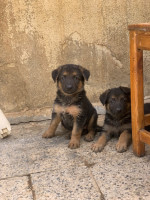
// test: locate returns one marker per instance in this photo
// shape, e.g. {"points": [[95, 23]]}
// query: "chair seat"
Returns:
{"points": [[139, 27]]}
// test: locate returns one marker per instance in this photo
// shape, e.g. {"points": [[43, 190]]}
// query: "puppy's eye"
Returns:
{"points": [[63, 77], [123, 99], [113, 100], [76, 77]]}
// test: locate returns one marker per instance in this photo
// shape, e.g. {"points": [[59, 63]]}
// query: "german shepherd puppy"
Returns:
{"points": [[71, 106], [117, 119]]}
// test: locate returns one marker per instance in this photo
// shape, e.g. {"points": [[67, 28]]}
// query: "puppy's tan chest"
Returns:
{"points": [[72, 110]]}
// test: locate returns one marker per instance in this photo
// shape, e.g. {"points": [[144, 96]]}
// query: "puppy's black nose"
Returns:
{"points": [[69, 86]]}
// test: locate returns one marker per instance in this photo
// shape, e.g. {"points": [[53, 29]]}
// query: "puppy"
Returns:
{"points": [[117, 119], [71, 106]]}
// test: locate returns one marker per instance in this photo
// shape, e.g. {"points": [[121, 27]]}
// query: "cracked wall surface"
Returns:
{"points": [[37, 36]]}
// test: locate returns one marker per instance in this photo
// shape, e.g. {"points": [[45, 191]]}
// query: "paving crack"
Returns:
{"points": [[89, 165], [31, 186], [30, 121], [98, 188]]}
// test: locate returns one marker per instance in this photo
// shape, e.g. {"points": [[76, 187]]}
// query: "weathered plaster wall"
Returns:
{"points": [[37, 36]]}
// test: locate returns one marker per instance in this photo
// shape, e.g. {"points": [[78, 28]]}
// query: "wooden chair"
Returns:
{"points": [[139, 41]]}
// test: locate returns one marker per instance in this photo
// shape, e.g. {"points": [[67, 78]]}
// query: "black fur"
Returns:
{"points": [[117, 121], [118, 111], [71, 105], [80, 100]]}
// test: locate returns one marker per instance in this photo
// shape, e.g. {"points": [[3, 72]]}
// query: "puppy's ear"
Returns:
{"points": [[104, 97], [85, 73], [55, 74], [126, 90]]}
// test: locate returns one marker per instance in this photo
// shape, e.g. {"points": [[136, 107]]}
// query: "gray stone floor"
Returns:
{"points": [[46, 169]]}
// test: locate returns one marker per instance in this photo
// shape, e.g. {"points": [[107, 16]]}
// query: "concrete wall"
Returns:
{"points": [[36, 36]]}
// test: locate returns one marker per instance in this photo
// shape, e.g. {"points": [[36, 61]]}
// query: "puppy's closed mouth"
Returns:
{"points": [[117, 121], [71, 106]]}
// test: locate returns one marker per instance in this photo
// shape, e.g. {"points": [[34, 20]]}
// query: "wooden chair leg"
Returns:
{"points": [[137, 97]]}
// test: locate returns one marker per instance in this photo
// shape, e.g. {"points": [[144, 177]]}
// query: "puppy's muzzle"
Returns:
{"points": [[118, 110], [69, 87]]}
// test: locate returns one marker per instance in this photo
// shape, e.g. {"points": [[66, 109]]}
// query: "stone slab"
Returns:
{"points": [[58, 172], [66, 183], [122, 176], [17, 188]]}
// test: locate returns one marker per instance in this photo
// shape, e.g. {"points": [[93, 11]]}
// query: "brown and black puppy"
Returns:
{"points": [[71, 106], [117, 119]]}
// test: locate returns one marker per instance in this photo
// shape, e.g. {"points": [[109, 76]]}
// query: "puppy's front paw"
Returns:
{"points": [[47, 134], [97, 147], [74, 144], [121, 147], [89, 137]]}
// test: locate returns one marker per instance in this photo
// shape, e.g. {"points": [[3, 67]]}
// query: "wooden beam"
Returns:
{"points": [[143, 41], [146, 119], [137, 96], [144, 136]]}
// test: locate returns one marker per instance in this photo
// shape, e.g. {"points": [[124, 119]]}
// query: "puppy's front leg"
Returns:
{"points": [[75, 137], [124, 141], [100, 144], [91, 128], [53, 126]]}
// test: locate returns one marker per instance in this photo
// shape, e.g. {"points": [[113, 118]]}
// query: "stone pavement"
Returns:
{"points": [[32, 167]]}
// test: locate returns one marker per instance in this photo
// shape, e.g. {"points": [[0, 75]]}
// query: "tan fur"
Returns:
{"points": [[60, 87], [91, 122], [72, 110], [75, 137], [65, 73], [90, 136], [99, 145], [67, 107], [107, 107], [74, 73], [113, 97], [115, 125], [58, 109], [52, 128], [80, 86], [123, 142]]}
